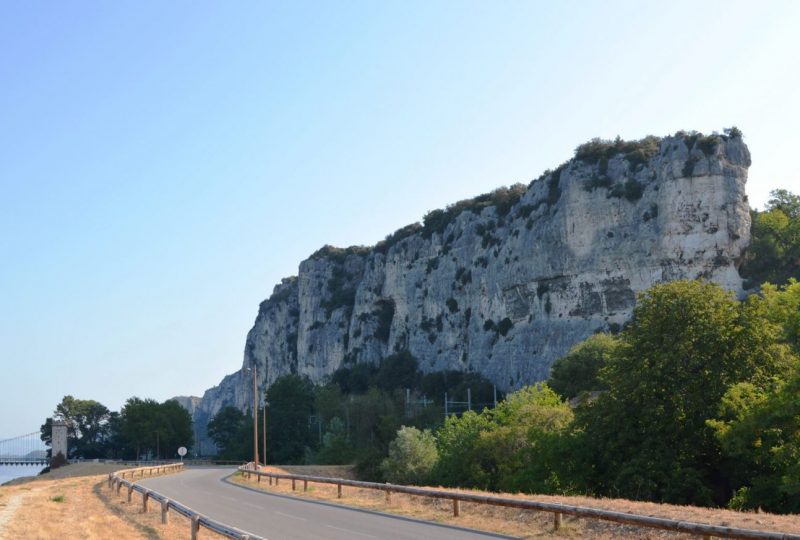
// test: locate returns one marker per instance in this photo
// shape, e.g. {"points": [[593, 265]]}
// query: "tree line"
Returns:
{"points": [[694, 401], [142, 429]]}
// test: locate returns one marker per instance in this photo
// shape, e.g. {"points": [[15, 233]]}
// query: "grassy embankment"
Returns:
{"points": [[521, 523], [74, 502]]}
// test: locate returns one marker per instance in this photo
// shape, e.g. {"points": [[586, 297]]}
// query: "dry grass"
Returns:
{"points": [[83, 507], [529, 524]]}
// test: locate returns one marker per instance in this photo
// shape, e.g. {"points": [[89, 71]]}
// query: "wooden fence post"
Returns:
{"points": [[270, 480], [305, 485], [130, 493], [119, 485], [165, 511], [456, 507], [195, 527], [145, 498], [292, 484], [388, 496], [339, 491], [556, 521]]}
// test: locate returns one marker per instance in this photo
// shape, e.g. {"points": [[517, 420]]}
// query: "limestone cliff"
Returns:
{"points": [[506, 283]]}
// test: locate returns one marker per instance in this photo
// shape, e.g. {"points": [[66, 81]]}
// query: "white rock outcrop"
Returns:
{"points": [[506, 283]]}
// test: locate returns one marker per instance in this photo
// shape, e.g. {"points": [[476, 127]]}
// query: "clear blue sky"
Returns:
{"points": [[164, 164]]}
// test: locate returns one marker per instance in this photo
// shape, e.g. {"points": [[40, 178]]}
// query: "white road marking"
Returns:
{"points": [[291, 516], [251, 505], [351, 532]]}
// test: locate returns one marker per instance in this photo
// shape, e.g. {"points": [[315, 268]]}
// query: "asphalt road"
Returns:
{"points": [[280, 517]]}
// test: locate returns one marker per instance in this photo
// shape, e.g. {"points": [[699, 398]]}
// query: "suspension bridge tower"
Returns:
{"points": [[59, 443]]}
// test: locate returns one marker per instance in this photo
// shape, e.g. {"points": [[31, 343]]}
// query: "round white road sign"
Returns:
{"points": [[182, 451]]}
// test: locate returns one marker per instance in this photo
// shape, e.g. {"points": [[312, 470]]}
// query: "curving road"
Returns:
{"points": [[280, 517]]}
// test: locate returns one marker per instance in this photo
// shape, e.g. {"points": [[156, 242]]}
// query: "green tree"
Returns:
{"points": [[87, 427], [687, 344], [762, 442], [336, 448], [152, 429], [290, 404], [412, 456], [231, 431], [577, 371], [782, 307], [774, 252]]}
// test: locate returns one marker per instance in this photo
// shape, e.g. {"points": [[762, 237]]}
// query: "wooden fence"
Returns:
{"points": [[126, 478], [707, 531]]}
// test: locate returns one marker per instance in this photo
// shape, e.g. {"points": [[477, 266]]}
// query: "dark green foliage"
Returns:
{"points": [[88, 427], [464, 276], [385, 315], [341, 291], [504, 326], [399, 370], [339, 255], [232, 433], [502, 199], [397, 237], [281, 294], [148, 427], [708, 144], [633, 190], [433, 264], [686, 345], [355, 380], [636, 152], [488, 325], [577, 371], [290, 402], [553, 187], [688, 166], [762, 443], [452, 305], [774, 253], [597, 181]]}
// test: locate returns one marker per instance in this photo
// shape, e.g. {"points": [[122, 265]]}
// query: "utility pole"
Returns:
{"points": [[469, 399], [264, 431], [255, 418]]}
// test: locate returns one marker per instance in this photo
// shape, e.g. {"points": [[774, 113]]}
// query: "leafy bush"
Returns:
{"points": [[636, 152], [578, 370], [412, 456]]}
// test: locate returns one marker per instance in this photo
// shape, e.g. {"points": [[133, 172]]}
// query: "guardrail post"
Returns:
{"points": [[165, 511], [339, 491], [130, 493], [195, 527], [145, 498], [109, 480], [557, 521], [258, 478], [305, 485], [119, 485], [292, 484], [456, 507], [277, 480], [388, 496], [270, 480]]}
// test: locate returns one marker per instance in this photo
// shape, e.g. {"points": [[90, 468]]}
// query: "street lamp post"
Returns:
{"points": [[264, 431]]}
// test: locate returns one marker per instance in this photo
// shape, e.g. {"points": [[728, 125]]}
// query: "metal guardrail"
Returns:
{"points": [[117, 479], [557, 509]]}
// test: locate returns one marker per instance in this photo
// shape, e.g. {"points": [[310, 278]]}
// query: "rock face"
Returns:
{"points": [[506, 283]]}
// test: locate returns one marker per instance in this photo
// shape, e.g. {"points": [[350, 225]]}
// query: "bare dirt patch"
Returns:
{"points": [[523, 523]]}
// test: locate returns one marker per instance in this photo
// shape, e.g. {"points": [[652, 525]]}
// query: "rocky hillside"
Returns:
{"points": [[506, 283]]}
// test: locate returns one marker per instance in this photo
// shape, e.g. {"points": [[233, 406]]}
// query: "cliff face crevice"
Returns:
{"points": [[506, 283]]}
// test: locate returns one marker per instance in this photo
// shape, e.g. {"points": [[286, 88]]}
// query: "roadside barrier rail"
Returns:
{"points": [[557, 509], [118, 479]]}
